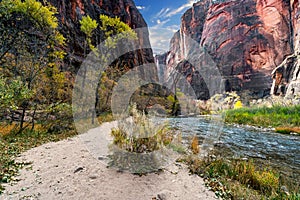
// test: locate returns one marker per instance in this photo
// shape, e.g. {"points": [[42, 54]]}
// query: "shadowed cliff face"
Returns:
{"points": [[246, 39], [71, 12]]}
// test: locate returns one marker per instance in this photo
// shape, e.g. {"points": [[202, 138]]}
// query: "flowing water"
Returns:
{"points": [[277, 150]]}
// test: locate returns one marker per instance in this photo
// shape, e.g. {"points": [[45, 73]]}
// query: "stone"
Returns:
{"points": [[78, 169], [93, 177], [162, 196], [246, 40]]}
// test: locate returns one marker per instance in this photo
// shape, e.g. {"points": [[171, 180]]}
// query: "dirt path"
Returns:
{"points": [[67, 170]]}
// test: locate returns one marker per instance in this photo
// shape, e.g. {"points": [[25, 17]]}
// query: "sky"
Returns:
{"points": [[163, 19]]}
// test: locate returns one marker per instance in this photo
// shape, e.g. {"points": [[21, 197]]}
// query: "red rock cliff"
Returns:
{"points": [[293, 74], [70, 12], [246, 39]]}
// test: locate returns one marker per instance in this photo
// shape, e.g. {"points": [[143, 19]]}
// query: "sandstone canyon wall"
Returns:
{"points": [[71, 12], [293, 71], [246, 40]]}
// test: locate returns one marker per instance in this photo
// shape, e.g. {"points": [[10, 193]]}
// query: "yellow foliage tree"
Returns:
{"points": [[31, 52]]}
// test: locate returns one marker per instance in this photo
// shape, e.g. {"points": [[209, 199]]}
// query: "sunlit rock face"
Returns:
{"points": [[71, 12], [293, 74], [248, 39], [245, 39]]}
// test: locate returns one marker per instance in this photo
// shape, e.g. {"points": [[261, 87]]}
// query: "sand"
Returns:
{"points": [[69, 170]]}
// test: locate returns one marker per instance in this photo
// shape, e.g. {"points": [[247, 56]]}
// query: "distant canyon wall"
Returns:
{"points": [[246, 40]]}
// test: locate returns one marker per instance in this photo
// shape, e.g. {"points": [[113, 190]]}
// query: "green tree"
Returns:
{"points": [[88, 25], [30, 49], [11, 92], [114, 30]]}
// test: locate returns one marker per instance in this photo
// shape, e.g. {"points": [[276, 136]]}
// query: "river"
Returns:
{"points": [[274, 149]]}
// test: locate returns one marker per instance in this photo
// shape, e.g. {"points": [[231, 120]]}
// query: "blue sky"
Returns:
{"points": [[163, 19]]}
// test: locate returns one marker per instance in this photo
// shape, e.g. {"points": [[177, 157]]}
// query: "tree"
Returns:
{"points": [[30, 52], [88, 25], [114, 31], [115, 27], [11, 92]]}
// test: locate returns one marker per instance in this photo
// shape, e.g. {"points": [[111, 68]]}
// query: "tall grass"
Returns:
{"points": [[239, 179], [276, 116]]}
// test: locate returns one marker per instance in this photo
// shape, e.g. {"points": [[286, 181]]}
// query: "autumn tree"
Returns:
{"points": [[30, 52], [114, 30], [88, 25]]}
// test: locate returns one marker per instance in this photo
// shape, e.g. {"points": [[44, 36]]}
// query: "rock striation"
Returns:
{"points": [[246, 40], [292, 85], [71, 12]]}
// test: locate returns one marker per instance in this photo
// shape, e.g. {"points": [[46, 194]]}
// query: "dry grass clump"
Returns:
{"points": [[195, 145], [287, 130], [139, 134]]}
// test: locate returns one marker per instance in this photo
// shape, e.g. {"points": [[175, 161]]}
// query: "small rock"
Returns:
{"points": [[101, 158], [78, 169], [162, 196], [285, 190], [93, 177]]}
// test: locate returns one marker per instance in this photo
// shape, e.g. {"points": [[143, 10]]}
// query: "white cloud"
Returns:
{"points": [[160, 37], [181, 8], [162, 13], [161, 33], [160, 23], [168, 12], [141, 7]]}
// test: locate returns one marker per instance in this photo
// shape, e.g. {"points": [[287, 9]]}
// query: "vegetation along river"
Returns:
{"points": [[265, 146]]}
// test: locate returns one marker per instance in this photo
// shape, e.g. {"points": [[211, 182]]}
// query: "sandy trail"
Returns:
{"points": [[68, 170]]}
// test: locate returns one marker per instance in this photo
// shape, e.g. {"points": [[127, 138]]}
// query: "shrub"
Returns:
{"points": [[195, 145], [138, 134], [239, 179]]}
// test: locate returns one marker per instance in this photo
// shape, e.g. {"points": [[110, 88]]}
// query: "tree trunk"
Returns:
{"points": [[22, 119], [33, 117]]}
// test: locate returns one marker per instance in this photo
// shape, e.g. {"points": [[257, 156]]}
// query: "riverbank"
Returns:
{"points": [[252, 151], [215, 172], [285, 119], [243, 179], [67, 170]]}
